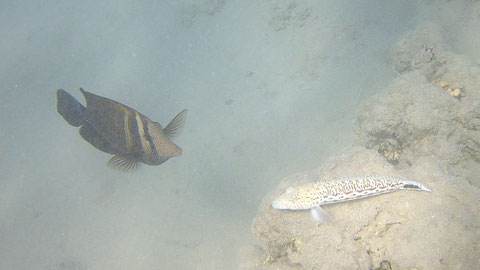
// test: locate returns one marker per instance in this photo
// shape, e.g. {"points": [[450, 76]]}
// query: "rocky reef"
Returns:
{"points": [[425, 126], [431, 108], [410, 230]]}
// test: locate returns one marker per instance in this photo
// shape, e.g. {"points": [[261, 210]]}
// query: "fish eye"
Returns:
{"points": [[290, 190], [147, 137]]}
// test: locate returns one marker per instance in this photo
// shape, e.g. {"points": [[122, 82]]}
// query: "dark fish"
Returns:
{"points": [[119, 130]]}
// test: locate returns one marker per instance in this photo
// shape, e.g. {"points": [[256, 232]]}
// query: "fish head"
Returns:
{"points": [[294, 198], [162, 148]]}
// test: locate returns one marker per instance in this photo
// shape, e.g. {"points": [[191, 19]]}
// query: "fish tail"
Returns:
{"points": [[410, 184], [70, 109]]}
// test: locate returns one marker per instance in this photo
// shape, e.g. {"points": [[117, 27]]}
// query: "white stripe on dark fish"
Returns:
{"points": [[126, 128], [141, 132], [152, 151]]}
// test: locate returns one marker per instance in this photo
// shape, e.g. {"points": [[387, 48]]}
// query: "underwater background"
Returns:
{"points": [[272, 88]]}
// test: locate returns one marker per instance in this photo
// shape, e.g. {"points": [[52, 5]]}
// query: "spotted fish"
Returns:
{"points": [[313, 195]]}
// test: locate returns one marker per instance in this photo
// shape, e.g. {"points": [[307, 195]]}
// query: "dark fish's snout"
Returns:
{"points": [[176, 152]]}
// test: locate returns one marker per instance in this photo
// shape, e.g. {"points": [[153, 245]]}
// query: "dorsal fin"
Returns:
{"points": [[176, 125]]}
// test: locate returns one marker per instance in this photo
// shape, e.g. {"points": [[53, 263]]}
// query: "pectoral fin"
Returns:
{"points": [[319, 214], [176, 125]]}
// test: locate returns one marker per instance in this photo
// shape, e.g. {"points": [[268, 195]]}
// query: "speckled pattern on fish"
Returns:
{"points": [[313, 195]]}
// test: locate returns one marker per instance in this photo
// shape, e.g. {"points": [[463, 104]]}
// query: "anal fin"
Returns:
{"points": [[90, 135], [124, 163]]}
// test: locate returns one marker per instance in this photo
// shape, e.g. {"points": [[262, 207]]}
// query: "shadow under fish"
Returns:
{"points": [[119, 130]]}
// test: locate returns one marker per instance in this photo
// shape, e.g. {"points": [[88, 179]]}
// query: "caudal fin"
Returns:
{"points": [[70, 109], [409, 184]]}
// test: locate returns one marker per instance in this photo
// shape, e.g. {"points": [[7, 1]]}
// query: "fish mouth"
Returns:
{"points": [[277, 204]]}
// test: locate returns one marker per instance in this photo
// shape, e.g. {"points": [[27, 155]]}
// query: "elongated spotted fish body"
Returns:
{"points": [[313, 195]]}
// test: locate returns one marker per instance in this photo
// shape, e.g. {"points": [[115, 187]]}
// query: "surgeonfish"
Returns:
{"points": [[313, 195], [119, 130]]}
